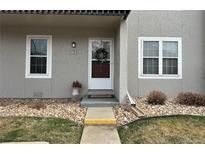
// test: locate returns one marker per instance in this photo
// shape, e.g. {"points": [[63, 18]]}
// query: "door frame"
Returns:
{"points": [[111, 59]]}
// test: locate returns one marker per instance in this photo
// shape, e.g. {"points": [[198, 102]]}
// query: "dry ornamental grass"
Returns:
{"points": [[156, 98], [189, 98], [37, 105]]}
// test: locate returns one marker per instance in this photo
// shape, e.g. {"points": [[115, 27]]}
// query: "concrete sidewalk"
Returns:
{"points": [[100, 127], [100, 135]]}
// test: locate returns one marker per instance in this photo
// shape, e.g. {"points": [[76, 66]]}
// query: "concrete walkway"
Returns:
{"points": [[100, 135], [100, 127]]}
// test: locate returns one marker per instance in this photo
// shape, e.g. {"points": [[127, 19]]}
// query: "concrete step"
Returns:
{"points": [[101, 96], [100, 93], [100, 116], [99, 102]]}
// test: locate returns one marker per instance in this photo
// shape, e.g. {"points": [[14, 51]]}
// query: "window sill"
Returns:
{"points": [[159, 77], [31, 76]]}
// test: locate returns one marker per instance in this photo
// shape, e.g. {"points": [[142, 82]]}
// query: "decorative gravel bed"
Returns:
{"points": [[170, 108], [61, 108], [124, 115]]}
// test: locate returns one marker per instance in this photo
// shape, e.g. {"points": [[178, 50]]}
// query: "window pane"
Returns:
{"points": [[150, 66], [170, 66], [151, 48], [100, 70], [38, 65], [38, 47], [101, 44], [170, 49], [95, 45], [107, 46]]}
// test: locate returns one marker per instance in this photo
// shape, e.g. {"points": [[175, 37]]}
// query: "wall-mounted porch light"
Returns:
{"points": [[73, 44], [73, 51]]}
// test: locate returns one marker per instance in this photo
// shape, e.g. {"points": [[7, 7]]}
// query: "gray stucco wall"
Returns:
{"points": [[123, 61], [186, 24], [117, 63], [65, 67], [120, 80]]}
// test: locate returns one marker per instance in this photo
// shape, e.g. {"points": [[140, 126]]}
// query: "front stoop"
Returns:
{"points": [[99, 98], [100, 92], [100, 127], [99, 102]]}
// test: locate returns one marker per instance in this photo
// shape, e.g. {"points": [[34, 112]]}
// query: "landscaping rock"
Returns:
{"points": [[169, 108], [61, 108], [124, 115]]}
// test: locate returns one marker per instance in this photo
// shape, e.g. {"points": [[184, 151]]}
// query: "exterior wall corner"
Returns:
{"points": [[123, 61]]}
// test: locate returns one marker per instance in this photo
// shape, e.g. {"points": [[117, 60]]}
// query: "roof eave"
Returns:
{"points": [[122, 13]]}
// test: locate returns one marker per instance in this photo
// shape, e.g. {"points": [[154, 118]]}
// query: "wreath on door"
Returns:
{"points": [[101, 54]]}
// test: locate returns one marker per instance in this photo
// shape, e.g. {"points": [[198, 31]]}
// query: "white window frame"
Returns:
{"points": [[160, 75], [49, 56]]}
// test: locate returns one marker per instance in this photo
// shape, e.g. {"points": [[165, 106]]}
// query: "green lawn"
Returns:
{"points": [[52, 130], [164, 130]]}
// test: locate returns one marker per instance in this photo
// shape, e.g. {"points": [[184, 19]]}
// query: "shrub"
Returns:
{"points": [[189, 98], [37, 105], [4, 104], [156, 98]]}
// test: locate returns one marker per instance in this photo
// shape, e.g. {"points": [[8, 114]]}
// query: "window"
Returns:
{"points": [[38, 56], [160, 57]]}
